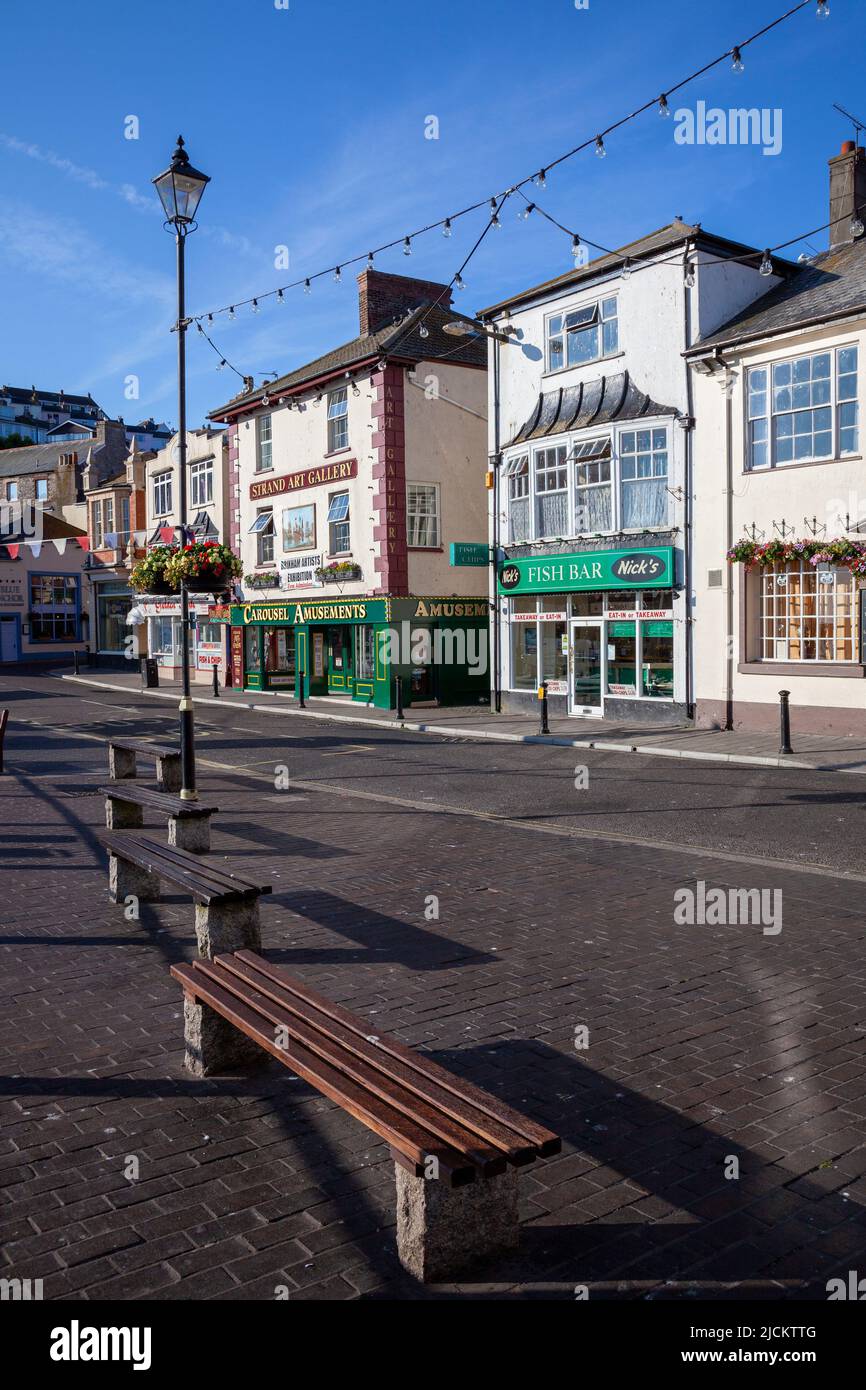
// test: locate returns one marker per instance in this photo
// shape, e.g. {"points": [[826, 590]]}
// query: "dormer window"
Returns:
{"points": [[583, 335]]}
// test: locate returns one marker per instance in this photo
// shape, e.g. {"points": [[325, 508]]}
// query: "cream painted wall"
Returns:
{"points": [[200, 445], [787, 493]]}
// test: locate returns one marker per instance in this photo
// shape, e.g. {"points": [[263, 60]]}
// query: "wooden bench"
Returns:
{"points": [[456, 1148], [226, 903], [4, 720], [122, 753], [188, 821]]}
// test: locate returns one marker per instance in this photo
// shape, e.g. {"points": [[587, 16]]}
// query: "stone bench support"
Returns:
{"points": [[121, 762], [212, 1043], [191, 833], [443, 1230], [130, 880]]}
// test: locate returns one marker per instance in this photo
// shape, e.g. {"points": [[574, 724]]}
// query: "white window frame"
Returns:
{"points": [[600, 308], [417, 518], [265, 534], [637, 428], [516, 472], [755, 417], [338, 419], [201, 483], [264, 443], [826, 582], [96, 526], [162, 493], [344, 520], [12, 491], [43, 484]]}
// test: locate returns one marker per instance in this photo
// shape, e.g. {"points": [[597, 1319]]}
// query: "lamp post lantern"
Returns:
{"points": [[180, 189]]}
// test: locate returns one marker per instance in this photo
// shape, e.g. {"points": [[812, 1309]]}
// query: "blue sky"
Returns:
{"points": [[311, 123]]}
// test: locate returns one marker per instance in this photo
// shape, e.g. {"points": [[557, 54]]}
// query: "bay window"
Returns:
{"points": [[593, 510], [807, 613], [803, 409], [644, 474], [517, 478]]}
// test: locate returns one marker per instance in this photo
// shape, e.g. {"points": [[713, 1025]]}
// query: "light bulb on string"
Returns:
{"points": [[281, 298], [424, 331], [576, 251], [459, 282], [222, 365], [599, 147], [766, 266], [407, 246], [446, 227], [370, 260], [526, 212], [255, 307], [232, 314], [664, 109], [210, 318], [823, 10], [308, 289], [688, 274], [737, 63], [540, 179], [494, 214], [626, 269], [856, 227], [338, 275]]}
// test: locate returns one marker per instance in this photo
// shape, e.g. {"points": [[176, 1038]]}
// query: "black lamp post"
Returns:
{"points": [[180, 189]]}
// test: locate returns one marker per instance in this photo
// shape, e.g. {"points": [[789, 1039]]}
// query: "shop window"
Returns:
{"points": [[587, 605], [279, 645], [657, 659], [162, 637], [264, 445], [551, 492], [365, 652], [644, 473], [517, 479], [622, 658], [252, 651], [807, 614], [554, 651], [422, 515], [338, 524], [263, 530], [338, 419], [162, 503], [111, 625], [524, 644], [53, 608]]}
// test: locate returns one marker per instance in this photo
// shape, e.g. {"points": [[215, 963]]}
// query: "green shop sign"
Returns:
{"points": [[469, 553], [589, 569]]}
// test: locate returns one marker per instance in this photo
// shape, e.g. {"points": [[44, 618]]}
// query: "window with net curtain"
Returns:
{"points": [[517, 483], [593, 501], [551, 492], [643, 458]]}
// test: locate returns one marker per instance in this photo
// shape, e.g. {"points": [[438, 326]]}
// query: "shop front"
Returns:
{"points": [[604, 629], [162, 617], [352, 649]]}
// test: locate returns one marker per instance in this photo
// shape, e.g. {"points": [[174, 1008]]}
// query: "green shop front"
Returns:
{"points": [[604, 629], [353, 649]]}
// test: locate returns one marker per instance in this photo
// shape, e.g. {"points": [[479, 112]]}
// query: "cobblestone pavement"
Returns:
{"points": [[705, 1043]]}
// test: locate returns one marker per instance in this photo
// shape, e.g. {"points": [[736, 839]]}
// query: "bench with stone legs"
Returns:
{"points": [[456, 1149], [123, 752], [188, 821], [226, 902]]}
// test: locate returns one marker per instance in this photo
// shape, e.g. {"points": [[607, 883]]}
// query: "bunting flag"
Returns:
{"points": [[111, 540], [166, 534], [36, 548], [84, 542], [13, 550], [60, 545], [140, 537]]}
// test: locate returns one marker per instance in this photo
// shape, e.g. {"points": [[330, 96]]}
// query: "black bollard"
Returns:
{"points": [[542, 700], [216, 680], [398, 693], [785, 721], [75, 662], [299, 686]]}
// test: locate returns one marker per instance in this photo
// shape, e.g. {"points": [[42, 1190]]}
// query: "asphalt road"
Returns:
{"points": [[785, 815]]}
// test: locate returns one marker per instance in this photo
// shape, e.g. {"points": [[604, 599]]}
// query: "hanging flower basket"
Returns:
{"points": [[844, 553], [207, 567], [262, 581], [149, 574], [338, 572]]}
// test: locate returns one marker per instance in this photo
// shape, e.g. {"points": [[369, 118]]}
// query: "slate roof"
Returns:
{"points": [[830, 287], [36, 458], [590, 403], [401, 340]]}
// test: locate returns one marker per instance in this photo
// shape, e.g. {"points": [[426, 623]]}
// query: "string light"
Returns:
{"points": [[232, 314], [338, 275], [370, 260], [626, 269], [526, 213], [424, 331], [255, 307], [766, 266], [688, 272], [539, 179], [281, 298], [407, 246], [857, 227], [494, 215], [823, 10], [459, 282], [576, 251]]}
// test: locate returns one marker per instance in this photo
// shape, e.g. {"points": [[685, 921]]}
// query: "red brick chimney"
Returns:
{"points": [[847, 191], [383, 298]]}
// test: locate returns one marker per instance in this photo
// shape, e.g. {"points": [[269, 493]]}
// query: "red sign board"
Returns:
{"points": [[323, 473]]}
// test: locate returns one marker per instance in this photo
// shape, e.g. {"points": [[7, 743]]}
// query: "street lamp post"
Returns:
{"points": [[180, 189]]}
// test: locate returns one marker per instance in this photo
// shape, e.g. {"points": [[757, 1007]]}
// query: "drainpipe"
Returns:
{"points": [[687, 425], [496, 460], [729, 541]]}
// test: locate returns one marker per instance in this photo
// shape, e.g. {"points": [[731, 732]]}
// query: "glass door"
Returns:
{"points": [[586, 680]]}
